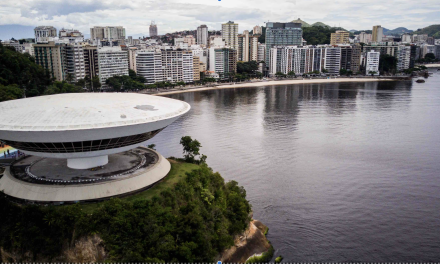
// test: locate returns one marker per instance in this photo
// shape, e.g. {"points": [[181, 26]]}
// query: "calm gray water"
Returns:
{"points": [[338, 172]]}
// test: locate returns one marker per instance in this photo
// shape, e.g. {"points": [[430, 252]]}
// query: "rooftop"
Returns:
{"points": [[86, 111]]}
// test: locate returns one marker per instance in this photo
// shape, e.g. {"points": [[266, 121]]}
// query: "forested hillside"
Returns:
{"points": [[192, 221], [20, 76], [432, 31]]}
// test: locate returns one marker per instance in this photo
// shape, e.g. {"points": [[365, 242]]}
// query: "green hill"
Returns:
{"points": [[320, 24], [432, 31], [303, 23]]}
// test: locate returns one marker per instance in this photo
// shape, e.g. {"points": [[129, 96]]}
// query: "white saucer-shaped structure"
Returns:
{"points": [[85, 128]]}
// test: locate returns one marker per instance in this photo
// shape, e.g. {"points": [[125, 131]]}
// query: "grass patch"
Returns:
{"points": [[279, 259], [264, 258], [177, 173]]}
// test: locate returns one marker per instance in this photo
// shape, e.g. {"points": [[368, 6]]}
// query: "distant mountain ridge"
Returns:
{"points": [[396, 31]]}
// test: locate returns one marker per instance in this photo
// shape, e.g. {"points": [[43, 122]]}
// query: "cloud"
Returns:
{"points": [[173, 15]]}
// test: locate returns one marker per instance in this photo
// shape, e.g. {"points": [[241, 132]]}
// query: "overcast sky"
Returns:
{"points": [[174, 15]]}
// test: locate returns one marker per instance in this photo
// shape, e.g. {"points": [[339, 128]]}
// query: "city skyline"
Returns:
{"points": [[136, 16]]}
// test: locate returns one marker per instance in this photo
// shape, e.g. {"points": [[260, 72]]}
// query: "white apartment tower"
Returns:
{"points": [[372, 64], [202, 35], [187, 66], [112, 61], [253, 48], [74, 61], [403, 58], [149, 65], [230, 34], [332, 61]]}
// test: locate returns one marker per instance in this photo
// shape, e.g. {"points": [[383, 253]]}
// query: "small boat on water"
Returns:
{"points": [[420, 80]]}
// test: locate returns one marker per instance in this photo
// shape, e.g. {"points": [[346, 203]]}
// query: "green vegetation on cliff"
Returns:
{"points": [[191, 216], [20, 76]]}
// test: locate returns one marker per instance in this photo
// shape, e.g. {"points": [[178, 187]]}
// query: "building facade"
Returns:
{"points": [[50, 57], [202, 35], [282, 34], [44, 34], [91, 65], [230, 34], [73, 60], [153, 29], [377, 34], [149, 65], [112, 61], [339, 37], [372, 63]]}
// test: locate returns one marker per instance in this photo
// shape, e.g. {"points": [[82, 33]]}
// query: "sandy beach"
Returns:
{"points": [[280, 82], [433, 65]]}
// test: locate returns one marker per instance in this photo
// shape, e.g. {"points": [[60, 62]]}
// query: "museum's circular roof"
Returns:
{"points": [[86, 111]]}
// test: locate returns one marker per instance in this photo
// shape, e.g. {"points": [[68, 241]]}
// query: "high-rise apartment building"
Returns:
{"points": [[73, 60], [149, 65], [257, 30], [372, 63], [261, 52], [365, 38], [50, 56], [223, 61], [202, 35], [132, 58], [243, 46], [172, 65], [403, 58], [107, 33], [44, 34], [71, 35], [187, 66], [196, 67], [356, 58], [377, 34], [230, 34], [91, 65], [332, 60], [339, 37], [253, 47], [153, 29], [112, 61], [282, 34], [406, 38]]}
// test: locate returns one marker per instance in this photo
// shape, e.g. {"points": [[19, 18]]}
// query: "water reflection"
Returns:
{"points": [[339, 172]]}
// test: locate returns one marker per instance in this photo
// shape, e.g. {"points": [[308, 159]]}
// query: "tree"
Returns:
{"points": [[429, 57], [10, 92], [96, 84], [69, 78], [291, 74], [191, 148], [387, 63], [280, 74], [152, 146], [324, 71], [372, 73], [342, 71]]}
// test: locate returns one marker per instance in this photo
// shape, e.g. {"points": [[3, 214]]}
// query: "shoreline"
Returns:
{"points": [[272, 83]]}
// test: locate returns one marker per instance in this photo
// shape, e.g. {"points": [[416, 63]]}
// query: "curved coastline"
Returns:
{"points": [[280, 82]]}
